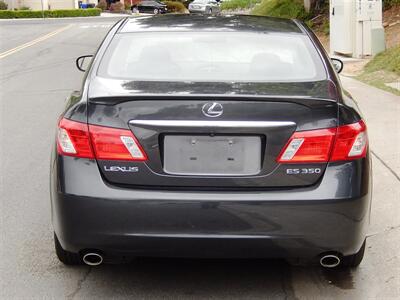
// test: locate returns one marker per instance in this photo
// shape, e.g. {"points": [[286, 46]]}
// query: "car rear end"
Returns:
{"points": [[162, 8], [240, 169], [197, 7]]}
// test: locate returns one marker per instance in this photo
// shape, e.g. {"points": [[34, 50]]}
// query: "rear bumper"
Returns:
{"points": [[197, 10], [303, 222]]}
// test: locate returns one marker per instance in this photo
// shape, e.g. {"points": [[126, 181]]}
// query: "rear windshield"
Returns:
{"points": [[212, 57]]}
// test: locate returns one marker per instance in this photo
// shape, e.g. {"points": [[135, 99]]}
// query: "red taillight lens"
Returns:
{"points": [[334, 144], [308, 146], [73, 139], [351, 142], [115, 144], [91, 141]]}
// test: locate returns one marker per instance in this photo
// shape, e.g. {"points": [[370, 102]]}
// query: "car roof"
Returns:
{"points": [[210, 23]]}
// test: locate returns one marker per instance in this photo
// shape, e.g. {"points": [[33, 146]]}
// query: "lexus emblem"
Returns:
{"points": [[212, 109]]}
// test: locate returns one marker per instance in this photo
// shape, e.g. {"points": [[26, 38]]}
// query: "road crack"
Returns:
{"points": [[79, 284], [387, 230], [386, 165]]}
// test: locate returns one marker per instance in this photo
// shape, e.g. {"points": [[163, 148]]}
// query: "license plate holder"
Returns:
{"points": [[201, 155]]}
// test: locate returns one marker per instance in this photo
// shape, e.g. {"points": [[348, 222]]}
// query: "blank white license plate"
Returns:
{"points": [[212, 155]]}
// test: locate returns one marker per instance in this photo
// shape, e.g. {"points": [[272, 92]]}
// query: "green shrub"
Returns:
{"points": [[59, 13], [117, 7], [290, 9], [102, 5], [20, 14], [175, 6], [62, 13], [389, 3], [6, 14], [3, 5], [238, 4], [23, 8], [325, 27]]}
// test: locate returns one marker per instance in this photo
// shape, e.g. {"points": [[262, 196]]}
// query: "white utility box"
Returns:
{"points": [[356, 27]]}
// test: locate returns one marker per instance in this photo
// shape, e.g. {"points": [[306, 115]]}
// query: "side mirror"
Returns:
{"points": [[337, 64], [80, 62]]}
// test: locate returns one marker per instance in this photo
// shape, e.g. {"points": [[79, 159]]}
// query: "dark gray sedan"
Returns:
{"points": [[199, 136], [150, 6]]}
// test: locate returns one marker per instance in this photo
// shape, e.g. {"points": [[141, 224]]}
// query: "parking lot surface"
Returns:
{"points": [[34, 82]]}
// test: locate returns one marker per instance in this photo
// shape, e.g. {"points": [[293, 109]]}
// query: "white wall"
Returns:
{"points": [[62, 4], [32, 4]]}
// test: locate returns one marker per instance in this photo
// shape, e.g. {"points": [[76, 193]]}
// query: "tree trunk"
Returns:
{"points": [[309, 4]]}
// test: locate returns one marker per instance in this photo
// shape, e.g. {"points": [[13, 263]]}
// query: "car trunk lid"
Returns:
{"points": [[187, 148]]}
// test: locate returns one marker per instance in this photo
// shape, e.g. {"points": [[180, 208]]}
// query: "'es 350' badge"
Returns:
{"points": [[303, 171]]}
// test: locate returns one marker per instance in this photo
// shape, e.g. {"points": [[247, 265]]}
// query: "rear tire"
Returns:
{"points": [[156, 11], [353, 261], [67, 258]]}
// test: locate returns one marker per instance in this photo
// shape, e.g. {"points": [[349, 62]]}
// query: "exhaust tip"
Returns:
{"points": [[329, 261], [92, 259]]}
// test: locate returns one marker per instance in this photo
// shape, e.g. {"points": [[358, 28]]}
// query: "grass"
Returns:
{"points": [[388, 60], [238, 4], [383, 68], [290, 9]]}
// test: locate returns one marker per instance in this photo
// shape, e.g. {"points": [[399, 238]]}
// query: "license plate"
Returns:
{"points": [[212, 155]]}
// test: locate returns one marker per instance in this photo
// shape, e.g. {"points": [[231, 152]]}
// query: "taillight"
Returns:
{"points": [[91, 141], [73, 139], [351, 142], [115, 144], [345, 142], [308, 146]]}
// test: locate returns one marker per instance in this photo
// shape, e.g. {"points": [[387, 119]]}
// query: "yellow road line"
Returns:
{"points": [[33, 42]]}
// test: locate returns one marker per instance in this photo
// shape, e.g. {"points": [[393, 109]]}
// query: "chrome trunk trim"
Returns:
{"points": [[213, 123]]}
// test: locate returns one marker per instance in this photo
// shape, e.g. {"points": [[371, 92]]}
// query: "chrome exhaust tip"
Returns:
{"points": [[92, 259], [329, 261]]}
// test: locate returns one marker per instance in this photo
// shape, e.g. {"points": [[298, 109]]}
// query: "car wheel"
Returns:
{"points": [[67, 258], [353, 261], [156, 11]]}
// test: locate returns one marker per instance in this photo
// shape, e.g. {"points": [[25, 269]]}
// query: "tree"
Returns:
{"points": [[309, 5]]}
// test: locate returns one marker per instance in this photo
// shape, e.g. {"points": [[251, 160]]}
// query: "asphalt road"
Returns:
{"points": [[35, 80]]}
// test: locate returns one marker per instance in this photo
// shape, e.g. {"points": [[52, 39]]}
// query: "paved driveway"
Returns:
{"points": [[35, 80]]}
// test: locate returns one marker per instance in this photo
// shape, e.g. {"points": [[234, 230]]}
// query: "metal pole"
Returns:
{"points": [[42, 8]]}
